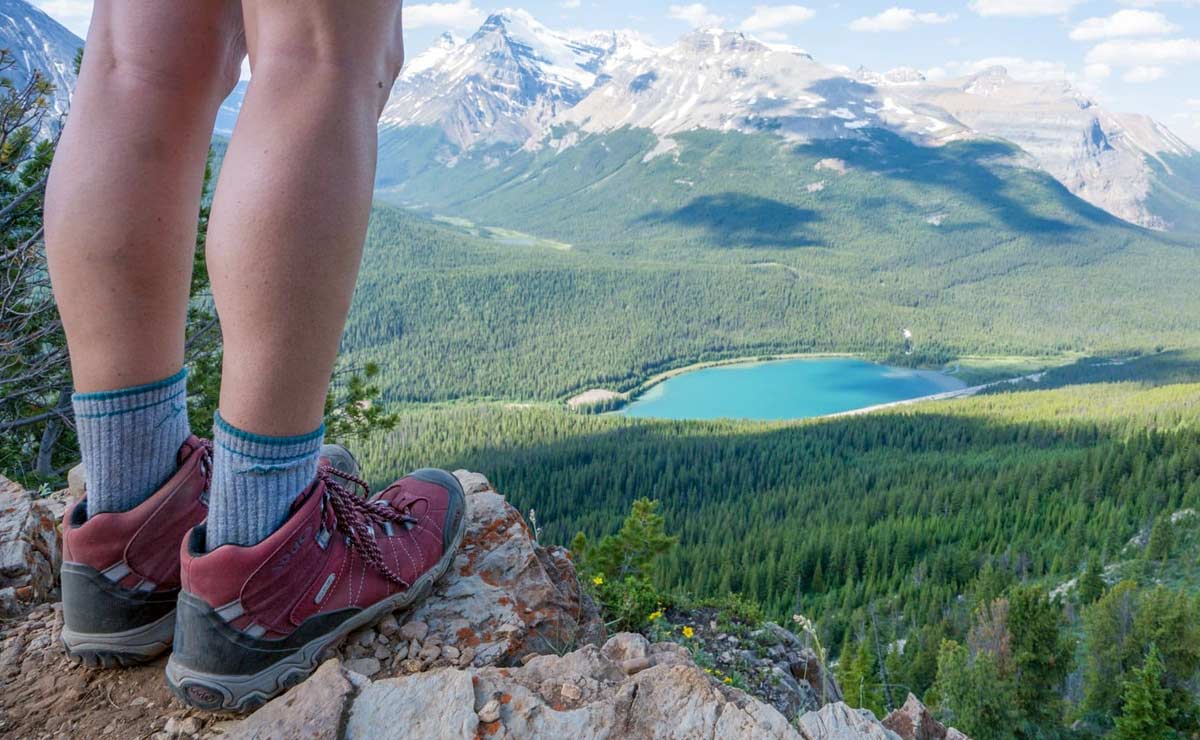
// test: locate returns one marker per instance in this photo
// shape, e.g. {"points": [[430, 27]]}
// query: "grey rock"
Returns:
{"points": [[913, 721], [490, 712], [838, 721], [314, 709], [437, 704], [30, 546], [388, 626], [366, 666], [414, 631]]}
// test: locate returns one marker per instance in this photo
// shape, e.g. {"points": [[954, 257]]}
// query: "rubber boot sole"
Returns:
{"points": [[120, 649]]}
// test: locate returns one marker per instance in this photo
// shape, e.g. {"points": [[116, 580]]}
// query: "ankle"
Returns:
{"points": [[130, 439], [255, 480]]}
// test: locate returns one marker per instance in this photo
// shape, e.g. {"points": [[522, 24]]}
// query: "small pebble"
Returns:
{"points": [[388, 626], [571, 692], [366, 666], [468, 655], [490, 711], [366, 638], [451, 652], [414, 631]]}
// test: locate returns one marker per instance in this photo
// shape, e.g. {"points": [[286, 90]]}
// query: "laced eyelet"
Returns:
{"points": [[356, 516]]}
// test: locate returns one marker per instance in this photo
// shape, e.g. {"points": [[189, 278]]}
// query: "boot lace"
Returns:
{"points": [[357, 516]]}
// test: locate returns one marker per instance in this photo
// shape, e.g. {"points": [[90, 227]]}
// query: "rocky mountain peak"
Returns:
{"points": [[715, 41]]}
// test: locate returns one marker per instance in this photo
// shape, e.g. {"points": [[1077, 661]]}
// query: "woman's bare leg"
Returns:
{"points": [[291, 208], [124, 191], [284, 242], [121, 211]]}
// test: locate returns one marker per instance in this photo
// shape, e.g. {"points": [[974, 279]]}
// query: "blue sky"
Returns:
{"points": [[1132, 55]]}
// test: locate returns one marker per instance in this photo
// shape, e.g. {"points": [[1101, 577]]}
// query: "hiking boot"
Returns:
{"points": [[253, 621], [120, 572]]}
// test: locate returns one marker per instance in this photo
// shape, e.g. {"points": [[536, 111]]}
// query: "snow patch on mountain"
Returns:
{"points": [[39, 43], [517, 83]]}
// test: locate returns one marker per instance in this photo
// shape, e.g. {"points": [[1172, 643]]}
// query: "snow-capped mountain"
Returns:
{"points": [[1103, 157], [39, 43], [727, 81], [516, 82], [503, 84]]}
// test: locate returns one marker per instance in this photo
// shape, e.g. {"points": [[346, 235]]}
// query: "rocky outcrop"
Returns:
{"points": [[841, 722], [914, 722], [627, 688], [771, 663], [30, 549], [507, 646], [505, 597]]}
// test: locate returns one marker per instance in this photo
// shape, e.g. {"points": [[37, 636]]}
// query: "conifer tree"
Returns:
{"points": [[1144, 703]]}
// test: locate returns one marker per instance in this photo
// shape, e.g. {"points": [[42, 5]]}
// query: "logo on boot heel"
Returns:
{"points": [[202, 696]]}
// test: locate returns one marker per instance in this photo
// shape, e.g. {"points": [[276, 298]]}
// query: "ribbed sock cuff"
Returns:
{"points": [[129, 439], [255, 480]]}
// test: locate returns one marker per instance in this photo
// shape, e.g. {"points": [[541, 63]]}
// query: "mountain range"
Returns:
{"points": [[516, 84]]}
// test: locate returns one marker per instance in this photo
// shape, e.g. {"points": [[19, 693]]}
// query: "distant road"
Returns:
{"points": [[960, 393]]}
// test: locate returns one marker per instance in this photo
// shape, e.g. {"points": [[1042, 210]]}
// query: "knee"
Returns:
{"points": [[359, 70], [187, 75]]}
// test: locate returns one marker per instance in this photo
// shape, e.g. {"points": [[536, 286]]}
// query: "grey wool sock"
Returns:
{"points": [[255, 480], [130, 439]]}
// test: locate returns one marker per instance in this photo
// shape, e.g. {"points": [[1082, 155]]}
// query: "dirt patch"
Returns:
{"points": [[594, 396], [43, 694]]}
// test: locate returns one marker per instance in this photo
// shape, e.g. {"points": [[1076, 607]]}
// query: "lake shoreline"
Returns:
{"points": [[783, 388]]}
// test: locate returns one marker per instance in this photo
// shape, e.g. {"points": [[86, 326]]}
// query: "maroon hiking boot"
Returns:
{"points": [[120, 572], [253, 621]]}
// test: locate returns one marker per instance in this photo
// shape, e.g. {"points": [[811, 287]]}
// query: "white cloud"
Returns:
{"points": [[1123, 23], [1193, 103], [571, 4], [1097, 71], [1129, 52], [1022, 8], [460, 14], [897, 19], [695, 15], [1144, 74], [774, 17], [1019, 68], [1152, 3], [74, 14]]}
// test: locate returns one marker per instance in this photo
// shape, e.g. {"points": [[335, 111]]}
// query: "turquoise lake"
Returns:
{"points": [[785, 389]]}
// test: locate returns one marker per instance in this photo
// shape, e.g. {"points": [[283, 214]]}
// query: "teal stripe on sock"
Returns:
{"points": [[123, 392], [263, 439]]}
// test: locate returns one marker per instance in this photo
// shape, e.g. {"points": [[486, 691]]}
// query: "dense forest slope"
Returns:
{"points": [[902, 528], [457, 310]]}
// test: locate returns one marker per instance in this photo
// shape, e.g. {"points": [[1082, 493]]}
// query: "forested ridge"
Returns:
{"points": [[721, 250], [911, 518]]}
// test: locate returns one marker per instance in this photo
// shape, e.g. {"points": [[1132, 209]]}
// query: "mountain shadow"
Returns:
{"points": [[739, 220], [972, 169]]}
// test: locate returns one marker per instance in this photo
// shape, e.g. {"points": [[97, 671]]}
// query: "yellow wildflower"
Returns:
{"points": [[688, 632], [728, 680], [598, 580], [655, 615]]}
